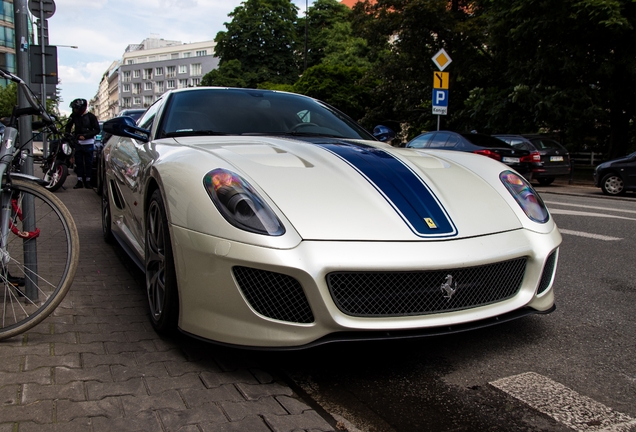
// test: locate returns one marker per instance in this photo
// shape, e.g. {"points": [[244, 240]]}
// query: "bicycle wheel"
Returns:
{"points": [[41, 258]]}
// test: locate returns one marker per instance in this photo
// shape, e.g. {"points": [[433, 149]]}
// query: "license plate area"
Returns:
{"points": [[508, 159], [556, 158]]}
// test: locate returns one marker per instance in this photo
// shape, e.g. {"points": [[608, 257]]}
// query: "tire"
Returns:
{"points": [[30, 294], [56, 176], [107, 231], [161, 280], [612, 184], [545, 181]]}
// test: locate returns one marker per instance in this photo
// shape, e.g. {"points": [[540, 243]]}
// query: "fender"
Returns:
{"points": [[27, 177]]}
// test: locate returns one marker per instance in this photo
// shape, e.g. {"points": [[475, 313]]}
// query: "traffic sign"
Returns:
{"points": [[440, 101], [47, 7], [440, 80], [442, 59]]}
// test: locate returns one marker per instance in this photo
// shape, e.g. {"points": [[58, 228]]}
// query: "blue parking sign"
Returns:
{"points": [[440, 101]]}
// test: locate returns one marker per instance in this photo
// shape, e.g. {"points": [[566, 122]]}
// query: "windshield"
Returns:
{"points": [[217, 111]]}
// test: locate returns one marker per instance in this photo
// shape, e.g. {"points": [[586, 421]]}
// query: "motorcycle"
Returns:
{"points": [[55, 166]]}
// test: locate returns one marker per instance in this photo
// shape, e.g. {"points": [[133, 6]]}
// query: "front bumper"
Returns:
{"points": [[212, 306]]}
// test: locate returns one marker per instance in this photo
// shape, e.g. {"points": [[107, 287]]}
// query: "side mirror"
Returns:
{"points": [[383, 133], [126, 127]]}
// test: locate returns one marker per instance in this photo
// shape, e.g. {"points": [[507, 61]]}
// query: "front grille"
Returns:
{"points": [[548, 271], [274, 295], [386, 294]]}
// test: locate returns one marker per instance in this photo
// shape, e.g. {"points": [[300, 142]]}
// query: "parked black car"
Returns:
{"points": [[522, 161], [617, 176], [555, 159]]}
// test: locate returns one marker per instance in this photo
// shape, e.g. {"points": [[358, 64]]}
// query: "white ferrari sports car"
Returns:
{"points": [[272, 220]]}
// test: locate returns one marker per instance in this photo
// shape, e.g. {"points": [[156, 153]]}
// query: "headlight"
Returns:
{"points": [[66, 149], [528, 198], [239, 203]]}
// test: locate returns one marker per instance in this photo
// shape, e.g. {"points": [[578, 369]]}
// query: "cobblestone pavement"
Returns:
{"points": [[97, 365]]}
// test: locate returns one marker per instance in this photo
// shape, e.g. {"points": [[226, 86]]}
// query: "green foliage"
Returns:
{"points": [[262, 37], [8, 99], [229, 74]]}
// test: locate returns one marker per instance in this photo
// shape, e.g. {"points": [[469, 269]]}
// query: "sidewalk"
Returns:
{"points": [[97, 365]]}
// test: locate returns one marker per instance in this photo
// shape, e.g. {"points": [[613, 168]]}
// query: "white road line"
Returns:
{"points": [[589, 207], [589, 235], [568, 407], [581, 213]]}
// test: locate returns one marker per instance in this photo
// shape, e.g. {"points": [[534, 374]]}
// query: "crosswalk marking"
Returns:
{"points": [[568, 407]]}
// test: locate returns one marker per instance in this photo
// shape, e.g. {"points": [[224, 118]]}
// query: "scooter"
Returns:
{"points": [[55, 166]]}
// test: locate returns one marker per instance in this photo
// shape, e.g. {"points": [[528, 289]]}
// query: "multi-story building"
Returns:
{"points": [[149, 69], [7, 36]]}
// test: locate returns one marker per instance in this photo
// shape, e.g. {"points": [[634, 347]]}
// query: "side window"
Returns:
{"points": [[453, 140], [439, 140], [420, 141], [148, 117]]}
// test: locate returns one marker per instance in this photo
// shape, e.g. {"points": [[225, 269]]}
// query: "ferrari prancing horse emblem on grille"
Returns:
{"points": [[449, 287]]}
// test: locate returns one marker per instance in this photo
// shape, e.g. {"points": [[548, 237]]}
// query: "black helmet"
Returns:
{"points": [[79, 104]]}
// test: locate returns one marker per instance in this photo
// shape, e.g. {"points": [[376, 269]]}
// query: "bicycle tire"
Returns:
{"points": [[57, 250]]}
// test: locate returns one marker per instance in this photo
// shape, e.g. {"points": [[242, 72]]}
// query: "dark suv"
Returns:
{"points": [[555, 159], [523, 161]]}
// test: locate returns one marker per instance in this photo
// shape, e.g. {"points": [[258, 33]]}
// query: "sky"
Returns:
{"points": [[102, 29]]}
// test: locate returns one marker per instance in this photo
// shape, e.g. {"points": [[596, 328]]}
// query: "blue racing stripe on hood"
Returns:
{"points": [[407, 193]]}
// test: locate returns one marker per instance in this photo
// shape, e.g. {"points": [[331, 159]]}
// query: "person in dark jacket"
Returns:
{"points": [[85, 127]]}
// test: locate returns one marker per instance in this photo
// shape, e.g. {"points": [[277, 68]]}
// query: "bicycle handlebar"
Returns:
{"points": [[41, 111]]}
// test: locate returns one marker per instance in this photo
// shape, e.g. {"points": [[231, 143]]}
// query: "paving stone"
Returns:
{"points": [[137, 347], [34, 392], [160, 356], [309, 420], [45, 339], [10, 364], [97, 390], [6, 427], [254, 392], [240, 410], [166, 345], [84, 328], [251, 424], [262, 376], [39, 412], [124, 373], [39, 376], [102, 321], [64, 375], [292, 405], [93, 348], [68, 410], [137, 336], [197, 397], [175, 419], [166, 400], [215, 379], [102, 337], [35, 361], [117, 327], [91, 360], [182, 368], [77, 425], [9, 395], [188, 381], [143, 422]]}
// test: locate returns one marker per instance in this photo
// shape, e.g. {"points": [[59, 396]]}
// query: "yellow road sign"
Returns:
{"points": [[442, 59], [440, 80]]}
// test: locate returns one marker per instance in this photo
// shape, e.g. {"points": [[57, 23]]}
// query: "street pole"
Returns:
{"points": [[21, 19], [45, 144]]}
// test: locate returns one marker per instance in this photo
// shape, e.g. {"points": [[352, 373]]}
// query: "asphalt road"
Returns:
{"points": [[572, 369]]}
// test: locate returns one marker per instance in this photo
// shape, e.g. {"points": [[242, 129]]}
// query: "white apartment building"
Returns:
{"points": [[149, 69]]}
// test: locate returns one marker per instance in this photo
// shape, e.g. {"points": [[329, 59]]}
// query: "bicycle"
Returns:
{"points": [[39, 243]]}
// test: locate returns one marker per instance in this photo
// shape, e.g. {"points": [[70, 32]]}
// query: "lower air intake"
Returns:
{"points": [[274, 295], [388, 294]]}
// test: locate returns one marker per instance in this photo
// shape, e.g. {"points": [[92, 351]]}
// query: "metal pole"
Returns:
{"points": [[438, 117], [45, 144], [21, 18]]}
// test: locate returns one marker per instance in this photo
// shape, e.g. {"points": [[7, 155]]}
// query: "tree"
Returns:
{"points": [[262, 37], [8, 99], [567, 66], [229, 74]]}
